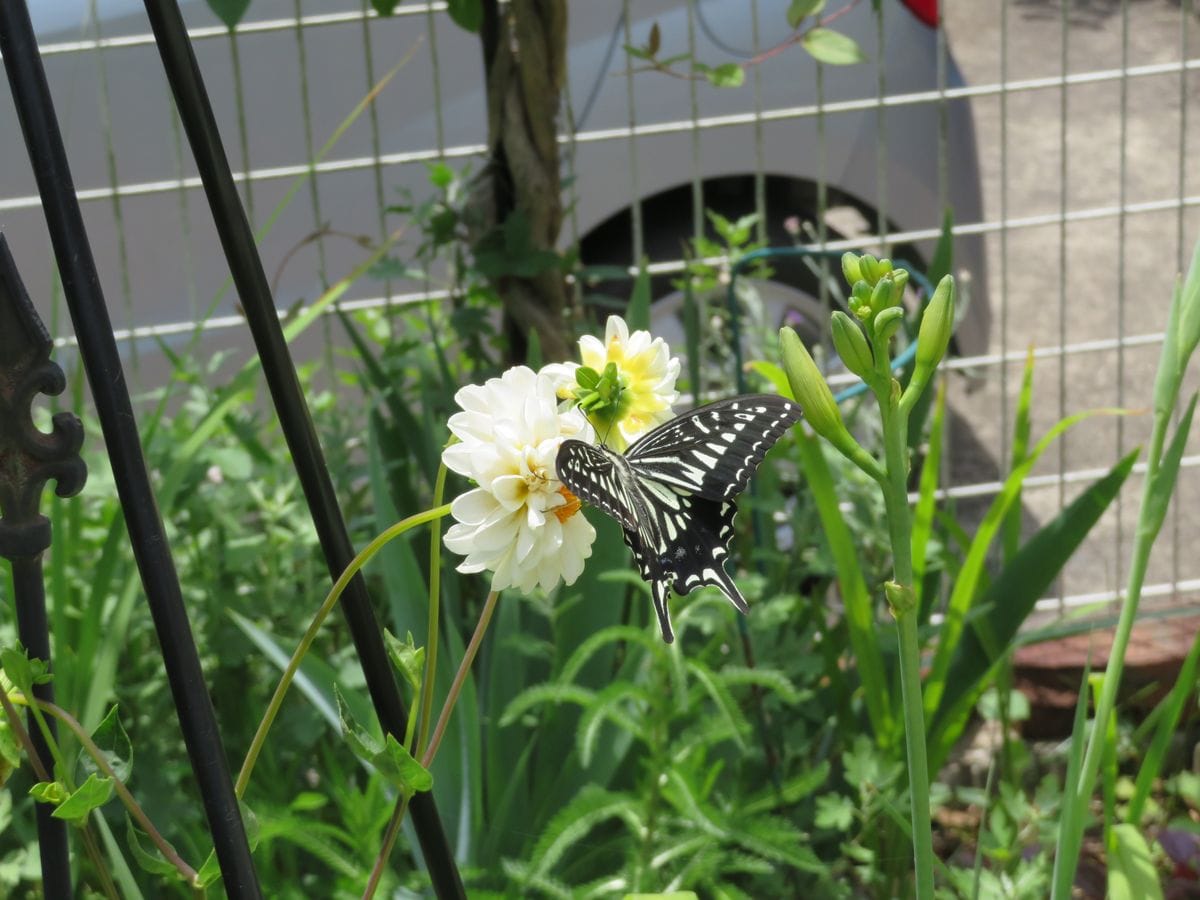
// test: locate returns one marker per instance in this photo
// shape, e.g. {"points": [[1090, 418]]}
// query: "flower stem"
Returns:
{"points": [[485, 617], [435, 597], [289, 673], [389, 841], [895, 491]]}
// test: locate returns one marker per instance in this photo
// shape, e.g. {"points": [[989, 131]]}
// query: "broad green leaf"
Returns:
{"points": [[145, 854], [467, 14], [972, 572], [397, 765], [114, 743], [229, 11], [832, 48], [1132, 874], [10, 755], [385, 7], [92, 794], [860, 610], [799, 10], [1009, 599]]}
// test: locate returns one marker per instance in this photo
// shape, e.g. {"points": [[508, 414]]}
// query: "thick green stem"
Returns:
{"points": [[310, 635], [895, 490], [1147, 531]]}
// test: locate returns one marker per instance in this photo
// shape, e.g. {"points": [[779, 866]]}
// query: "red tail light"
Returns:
{"points": [[925, 10]]}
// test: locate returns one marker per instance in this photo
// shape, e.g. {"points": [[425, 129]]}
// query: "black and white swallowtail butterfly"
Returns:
{"points": [[673, 491]]}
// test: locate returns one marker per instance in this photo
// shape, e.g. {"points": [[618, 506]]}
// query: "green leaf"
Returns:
{"points": [[145, 854], [397, 765], [467, 14], [10, 753], [22, 671], [229, 11], [114, 743], [726, 75], [49, 792], [407, 657], [860, 608], [610, 705], [573, 822], [1158, 497], [385, 7], [544, 693], [799, 10], [533, 350], [834, 812], [1131, 871], [92, 794], [832, 48], [1010, 598], [637, 314], [1168, 715], [970, 575]]}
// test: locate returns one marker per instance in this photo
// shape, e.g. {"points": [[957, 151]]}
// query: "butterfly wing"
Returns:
{"points": [[673, 491], [595, 474], [712, 451]]}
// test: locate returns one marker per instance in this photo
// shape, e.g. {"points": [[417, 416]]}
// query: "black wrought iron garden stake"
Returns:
{"points": [[110, 394], [29, 458]]}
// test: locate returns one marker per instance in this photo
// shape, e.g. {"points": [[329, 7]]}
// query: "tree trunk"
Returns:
{"points": [[524, 50]]}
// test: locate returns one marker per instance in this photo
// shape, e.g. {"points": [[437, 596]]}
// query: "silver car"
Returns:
{"points": [[160, 260]]}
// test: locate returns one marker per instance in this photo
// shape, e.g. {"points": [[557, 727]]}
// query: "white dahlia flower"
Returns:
{"points": [[520, 523]]}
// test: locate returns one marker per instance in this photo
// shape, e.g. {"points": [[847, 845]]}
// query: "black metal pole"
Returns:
{"points": [[246, 267], [98, 349], [29, 458], [30, 592]]}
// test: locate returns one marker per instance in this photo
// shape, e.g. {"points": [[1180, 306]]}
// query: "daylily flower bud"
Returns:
{"points": [[1189, 310], [809, 387], [885, 266], [887, 323], [937, 325], [860, 300], [881, 296], [851, 345], [850, 268], [899, 281], [869, 266]]}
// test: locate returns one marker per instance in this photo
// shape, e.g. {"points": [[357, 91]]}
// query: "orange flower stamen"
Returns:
{"points": [[569, 508]]}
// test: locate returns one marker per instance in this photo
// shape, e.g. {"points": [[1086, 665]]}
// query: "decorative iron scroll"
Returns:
{"points": [[29, 457]]}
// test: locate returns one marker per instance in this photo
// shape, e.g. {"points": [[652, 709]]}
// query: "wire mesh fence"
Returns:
{"points": [[1061, 136]]}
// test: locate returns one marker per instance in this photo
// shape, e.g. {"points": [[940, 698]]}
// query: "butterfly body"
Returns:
{"points": [[673, 490]]}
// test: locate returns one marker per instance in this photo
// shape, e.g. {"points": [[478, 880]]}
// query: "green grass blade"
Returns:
{"points": [[1168, 715], [1073, 816], [968, 581], [1022, 430]]}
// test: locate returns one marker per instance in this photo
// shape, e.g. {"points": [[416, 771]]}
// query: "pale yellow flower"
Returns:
{"points": [[647, 374]]}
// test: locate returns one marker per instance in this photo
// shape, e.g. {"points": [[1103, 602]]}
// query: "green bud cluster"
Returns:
{"points": [[600, 394], [875, 285]]}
